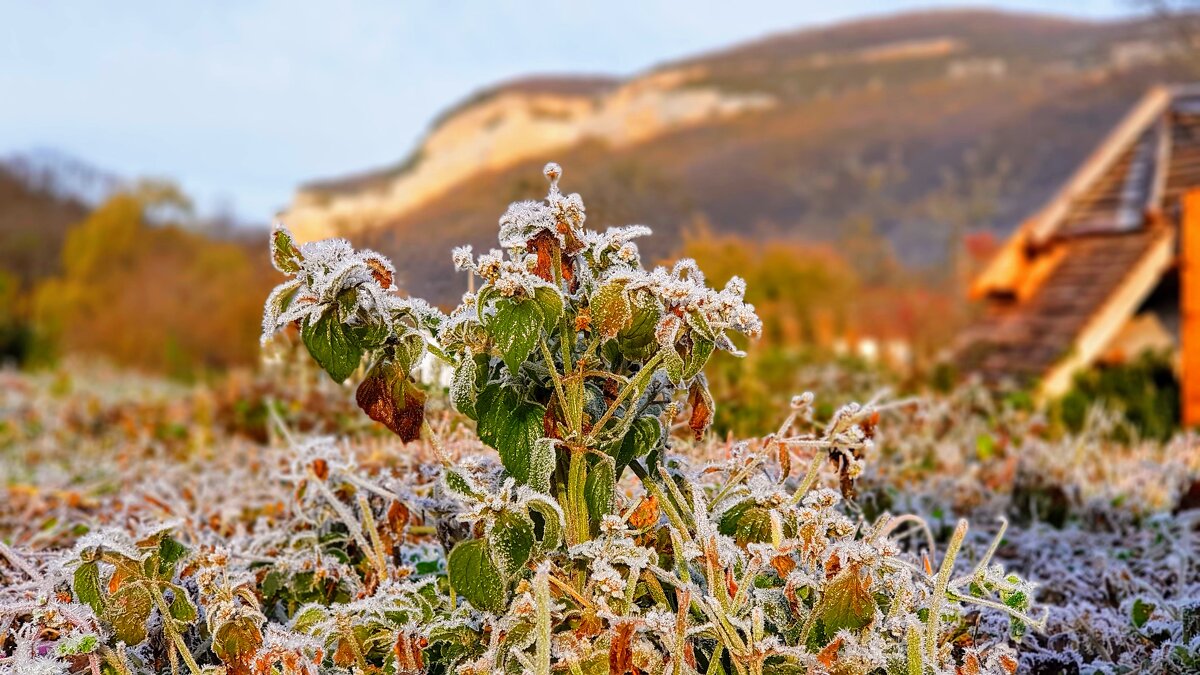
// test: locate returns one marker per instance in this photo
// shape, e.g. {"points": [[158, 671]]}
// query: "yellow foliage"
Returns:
{"points": [[150, 296]]}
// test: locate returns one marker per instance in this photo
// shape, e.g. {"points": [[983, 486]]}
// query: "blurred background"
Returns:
{"points": [[858, 162]]}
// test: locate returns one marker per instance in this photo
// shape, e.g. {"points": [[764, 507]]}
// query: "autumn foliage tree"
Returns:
{"points": [[141, 289]]}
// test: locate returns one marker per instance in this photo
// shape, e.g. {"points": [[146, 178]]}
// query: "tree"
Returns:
{"points": [[140, 289]]}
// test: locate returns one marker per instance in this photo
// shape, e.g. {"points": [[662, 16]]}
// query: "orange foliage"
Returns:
{"points": [[155, 297]]}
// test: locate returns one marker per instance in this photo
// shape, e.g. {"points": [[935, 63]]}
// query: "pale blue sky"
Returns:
{"points": [[241, 101]]}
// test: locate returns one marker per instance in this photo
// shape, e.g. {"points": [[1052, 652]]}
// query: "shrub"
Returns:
{"points": [[1144, 391], [574, 361]]}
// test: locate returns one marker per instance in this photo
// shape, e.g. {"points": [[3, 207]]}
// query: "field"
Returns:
{"points": [[109, 458], [560, 501]]}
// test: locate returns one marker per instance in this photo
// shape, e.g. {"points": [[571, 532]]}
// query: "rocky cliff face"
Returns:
{"points": [[519, 122], [903, 129]]}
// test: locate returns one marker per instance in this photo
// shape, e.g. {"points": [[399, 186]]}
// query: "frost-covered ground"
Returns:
{"points": [[1109, 531]]}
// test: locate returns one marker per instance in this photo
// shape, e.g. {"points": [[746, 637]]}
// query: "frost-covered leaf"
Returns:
{"points": [[600, 488], [169, 553], [87, 586], [236, 641], [551, 520], [331, 345], [181, 607], [408, 349], [510, 541], [1140, 613], [611, 310], [390, 396], [541, 464], [463, 387], [77, 644], [475, 576], [461, 484], [550, 301], [697, 356], [515, 325], [703, 408], [644, 435], [128, 610], [636, 340], [848, 603], [284, 254], [747, 523], [511, 425]]}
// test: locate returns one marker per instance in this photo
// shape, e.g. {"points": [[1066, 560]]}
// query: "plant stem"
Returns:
{"points": [[576, 489], [637, 382], [810, 477], [541, 591], [939, 590], [173, 634], [373, 533]]}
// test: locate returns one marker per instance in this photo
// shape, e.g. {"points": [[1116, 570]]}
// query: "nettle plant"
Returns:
{"points": [[575, 363]]}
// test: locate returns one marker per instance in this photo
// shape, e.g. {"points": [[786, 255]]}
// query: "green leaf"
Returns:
{"points": [[476, 577], [552, 525], [611, 310], [460, 484], [643, 437], [599, 489], [182, 609], [848, 603], [284, 254], [408, 350], [169, 553], [515, 325], [673, 364], [462, 387], [636, 340], [87, 586], [541, 464], [985, 447], [510, 541], [511, 425], [75, 645], [1141, 612], [308, 618], [331, 346], [697, 357], [747, 523], [128, 610], [550, 301]]}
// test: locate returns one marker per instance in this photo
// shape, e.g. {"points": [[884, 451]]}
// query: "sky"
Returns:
{"points": [[242, 101]]}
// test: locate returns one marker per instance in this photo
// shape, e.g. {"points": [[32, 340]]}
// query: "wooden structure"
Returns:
{"points": [[1104, 266]]}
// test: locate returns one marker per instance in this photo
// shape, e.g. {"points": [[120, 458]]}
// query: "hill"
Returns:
{"points": [[915, 127]]}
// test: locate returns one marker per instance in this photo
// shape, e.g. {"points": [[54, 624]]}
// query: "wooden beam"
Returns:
{"points": [[1189, 307], [1108, 320], [1150, 108], [1005, 271]]}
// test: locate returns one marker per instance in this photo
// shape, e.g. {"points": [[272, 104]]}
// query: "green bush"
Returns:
{"points": [[1145, 391]]}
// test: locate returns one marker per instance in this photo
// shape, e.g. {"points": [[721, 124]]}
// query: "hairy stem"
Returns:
{"points": [[932, 625]]}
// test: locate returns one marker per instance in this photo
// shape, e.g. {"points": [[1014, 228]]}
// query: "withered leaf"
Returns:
{"points": [[703, 408], [391, 397]]}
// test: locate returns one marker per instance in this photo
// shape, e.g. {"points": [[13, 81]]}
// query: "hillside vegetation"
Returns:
{"points": [[919, 127]]}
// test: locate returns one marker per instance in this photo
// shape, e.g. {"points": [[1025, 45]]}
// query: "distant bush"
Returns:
{"points": [[150, 294], [1145, 391]]}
